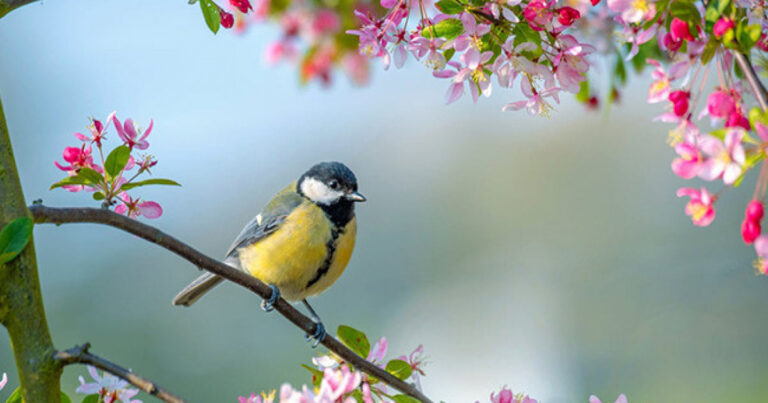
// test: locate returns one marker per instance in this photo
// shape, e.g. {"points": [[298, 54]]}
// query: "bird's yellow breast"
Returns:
{"points": [[301, 258]]}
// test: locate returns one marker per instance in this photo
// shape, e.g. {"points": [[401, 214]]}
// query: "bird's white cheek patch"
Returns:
{"points": [[319, 192]]}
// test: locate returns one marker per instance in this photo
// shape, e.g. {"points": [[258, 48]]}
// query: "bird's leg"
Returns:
{"points": [[319, 334], [268, 305]]}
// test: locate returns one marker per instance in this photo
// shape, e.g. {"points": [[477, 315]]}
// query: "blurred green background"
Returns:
{"points": [[550, 255]]}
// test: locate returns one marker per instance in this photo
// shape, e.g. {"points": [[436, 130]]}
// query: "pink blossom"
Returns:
{"points": [[109, 387], [131, 135], [722, 26], [325, 22], [621, 399], [736, 119], [416, 361], [378, 351], [421, 46], [97, 129], [280, 50], [679, 101], [356, 67], [135, 207], [511, 62], [538, 14], [242, 5], [689, 163], [700, 207], [659, 90], [77, 158], [636, 36], [679, 30], [3, 381], [567, 15], [473, 73], [726, 159], [505, 395], [761, 247], [721, 103], [633, 11], [571, 63], [472, 33], [254, 398], [536, 104]]}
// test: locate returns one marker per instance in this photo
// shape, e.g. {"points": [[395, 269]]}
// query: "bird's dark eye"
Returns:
{"points": [[333, 184]]}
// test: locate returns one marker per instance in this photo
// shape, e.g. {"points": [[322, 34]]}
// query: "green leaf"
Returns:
{"points": [[154, 181], [448, 54], [15, 397], [524, 33], [583, 94], [94, 398], [620, 70], [449, 7], [758, 115], [70, 181], [448, 29], [65, 398], [404, 399], [317, 375], [708, 52], [686, 11], [98, 196], [399, 368], [116, 161], [85, 176], [356, 340], [211, 15], [719, 133], [748, 36], [14, 237]]}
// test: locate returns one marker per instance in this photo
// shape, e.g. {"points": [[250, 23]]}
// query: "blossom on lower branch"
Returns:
{"points": [[108, 387]]}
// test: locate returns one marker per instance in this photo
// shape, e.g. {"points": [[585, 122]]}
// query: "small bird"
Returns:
{"points": [[299, 244]]}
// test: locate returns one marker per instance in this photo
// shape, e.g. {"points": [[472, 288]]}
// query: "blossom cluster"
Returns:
{"points": [[721, 139], [109, 177], [311, 34]]}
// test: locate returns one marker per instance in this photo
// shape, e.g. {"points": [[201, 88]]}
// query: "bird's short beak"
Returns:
{"points": [[355, 197]]}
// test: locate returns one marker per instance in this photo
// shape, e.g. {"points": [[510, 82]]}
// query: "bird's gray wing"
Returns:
{"points": [[268, 221]]}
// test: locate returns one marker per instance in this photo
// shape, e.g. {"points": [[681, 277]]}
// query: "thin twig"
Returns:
{"points": [[754, 82], [6, 6], [80, 355], [45, 214]]}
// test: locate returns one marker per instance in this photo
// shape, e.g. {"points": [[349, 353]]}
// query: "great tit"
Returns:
{"points": [[299, 244]]}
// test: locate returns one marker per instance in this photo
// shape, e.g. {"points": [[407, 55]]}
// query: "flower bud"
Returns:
{"points": [[754, 210], [750, 230], [722, 26], [227, 20]]}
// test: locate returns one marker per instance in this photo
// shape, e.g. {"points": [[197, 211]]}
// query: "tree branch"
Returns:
{"points": [[44, 214], [21, 304], [80, 355], [754, 82], [6, 6]]}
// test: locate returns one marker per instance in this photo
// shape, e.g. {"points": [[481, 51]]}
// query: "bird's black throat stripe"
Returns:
{"points": [[330, 250]]}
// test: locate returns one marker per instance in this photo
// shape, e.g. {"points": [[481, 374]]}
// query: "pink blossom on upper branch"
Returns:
{"points": [[505, 395], [131, 135], [726, 158], [3, 381]]}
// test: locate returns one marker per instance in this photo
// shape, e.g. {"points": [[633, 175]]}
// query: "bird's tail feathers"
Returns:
{"points": [[196, 289]]}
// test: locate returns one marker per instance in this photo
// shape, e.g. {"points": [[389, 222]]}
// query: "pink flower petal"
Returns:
{"points": [[150, 209]]}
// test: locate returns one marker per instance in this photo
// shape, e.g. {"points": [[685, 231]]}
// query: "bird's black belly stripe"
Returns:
{"points": [[330, 249]]}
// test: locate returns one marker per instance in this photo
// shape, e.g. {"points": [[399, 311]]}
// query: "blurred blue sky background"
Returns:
{"points": [[550, 255]]}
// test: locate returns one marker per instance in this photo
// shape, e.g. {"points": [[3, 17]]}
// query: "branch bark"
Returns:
{"points": [[21, 304], [81, 355], [754, 81], [45, 214]]}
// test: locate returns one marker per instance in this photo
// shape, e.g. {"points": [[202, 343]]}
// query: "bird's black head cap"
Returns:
{"points": [[333, 187]]}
